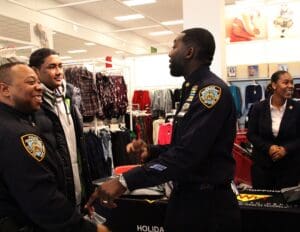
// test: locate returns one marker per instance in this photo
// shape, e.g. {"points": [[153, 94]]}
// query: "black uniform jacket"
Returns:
{"points": [[261, 136], [31, 178], [202, 140]]}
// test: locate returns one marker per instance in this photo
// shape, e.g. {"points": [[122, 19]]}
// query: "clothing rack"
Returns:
{"points": [[122, 68], [153, 88]]}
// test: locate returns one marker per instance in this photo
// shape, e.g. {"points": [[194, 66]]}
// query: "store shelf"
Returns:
{"points": [[249, 79]]}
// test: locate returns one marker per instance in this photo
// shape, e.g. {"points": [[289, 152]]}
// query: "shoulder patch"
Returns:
{"points": [[210, 95], [34, 145]]}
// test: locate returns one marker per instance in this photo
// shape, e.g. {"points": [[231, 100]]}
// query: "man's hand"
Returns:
{"points": [[107, 192], [138, 147], [102, 228]]}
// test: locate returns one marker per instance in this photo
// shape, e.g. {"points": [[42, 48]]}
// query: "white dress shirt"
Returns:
{"points": [[276, 116]]}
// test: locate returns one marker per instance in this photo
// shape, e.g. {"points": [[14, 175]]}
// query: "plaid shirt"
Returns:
{"points": [[81, 78]]}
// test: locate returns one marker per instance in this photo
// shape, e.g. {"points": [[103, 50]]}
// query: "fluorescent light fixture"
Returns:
{"points": [[75, 27], [89, 44], [119, 52], [138, 2], [173, 22], [159, 33], [65, 57], [129, 17], [77, 51], [25, 58]]}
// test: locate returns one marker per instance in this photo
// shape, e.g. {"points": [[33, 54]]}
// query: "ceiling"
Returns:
{"points": [[104, 11]]}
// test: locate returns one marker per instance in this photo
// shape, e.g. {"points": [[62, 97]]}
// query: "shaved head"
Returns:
{"points": [[6, 71]]}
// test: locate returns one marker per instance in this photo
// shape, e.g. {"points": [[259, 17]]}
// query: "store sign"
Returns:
{"points": [[147, 228], [153, 50]]}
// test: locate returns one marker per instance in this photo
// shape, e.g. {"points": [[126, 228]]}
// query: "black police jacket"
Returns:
{"points": [[30, 178], [203, 134]]}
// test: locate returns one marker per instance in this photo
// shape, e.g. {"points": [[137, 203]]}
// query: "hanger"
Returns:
{"points": [[254, 82]]}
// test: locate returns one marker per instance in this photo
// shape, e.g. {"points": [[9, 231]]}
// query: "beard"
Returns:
{"points": [[25, 106], [176, 69]]}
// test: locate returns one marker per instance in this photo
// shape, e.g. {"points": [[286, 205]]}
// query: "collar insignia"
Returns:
{"points": [[186, 106], [34, 145], [210, 95]]}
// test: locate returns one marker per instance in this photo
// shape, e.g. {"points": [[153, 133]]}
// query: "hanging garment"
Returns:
{"points": [[236, 94], [119, 141], [253, 93], [100, 165], [141, 98], [165, 134], [156, 124], [113, 95], [81, 78], [161, 101]]}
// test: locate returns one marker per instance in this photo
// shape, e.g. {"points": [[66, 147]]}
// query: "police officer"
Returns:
{"points": [[31, 175], [199, 159]]}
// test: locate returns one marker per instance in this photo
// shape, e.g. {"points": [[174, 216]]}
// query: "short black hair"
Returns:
{"points": [[5, 69], [37, 58], [204, 40], [276, 75]]}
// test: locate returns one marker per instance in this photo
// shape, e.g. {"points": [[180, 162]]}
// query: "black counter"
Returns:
{"points": [[268, 213]]}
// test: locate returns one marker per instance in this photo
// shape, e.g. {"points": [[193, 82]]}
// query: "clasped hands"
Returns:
{"points": [[109, 190], [277, 152]]}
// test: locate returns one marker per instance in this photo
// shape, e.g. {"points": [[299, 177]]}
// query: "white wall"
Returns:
{"points": [[151, 72], [255, 52]]}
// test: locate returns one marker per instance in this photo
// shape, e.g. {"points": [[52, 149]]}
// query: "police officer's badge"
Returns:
{"points": [[210, 95], [34, 146]]}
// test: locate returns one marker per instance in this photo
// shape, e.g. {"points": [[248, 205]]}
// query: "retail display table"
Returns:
{"points": [[261, 210]]}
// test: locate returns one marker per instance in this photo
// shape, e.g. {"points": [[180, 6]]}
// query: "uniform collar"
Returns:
{"points": [[201, 72], [25, 116]]}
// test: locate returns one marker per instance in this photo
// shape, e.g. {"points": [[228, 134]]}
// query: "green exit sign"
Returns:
{"points": [[153, 50]]}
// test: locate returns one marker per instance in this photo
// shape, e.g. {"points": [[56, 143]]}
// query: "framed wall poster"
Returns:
{"points": [[245, 24], [283, 20], [252, 70], [283, 67], [231, 71]]}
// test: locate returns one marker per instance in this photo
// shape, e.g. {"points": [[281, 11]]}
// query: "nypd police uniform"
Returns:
{"points": [[32, 180], [198, 160]]}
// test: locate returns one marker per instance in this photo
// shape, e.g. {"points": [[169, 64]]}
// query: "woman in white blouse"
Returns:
{"points": [[274, 131]]}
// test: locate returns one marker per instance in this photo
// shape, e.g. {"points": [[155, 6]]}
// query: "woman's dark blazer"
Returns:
{"points": [[261, 136]]}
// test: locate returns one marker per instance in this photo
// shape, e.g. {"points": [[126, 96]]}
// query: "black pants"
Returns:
{"points": [[274, 178], [209, 210], [9, 225]]}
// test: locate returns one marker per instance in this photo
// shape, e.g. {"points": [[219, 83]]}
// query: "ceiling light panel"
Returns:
{"points": [[173, 22], [77, 51], [160, 33], [65, 57], [129, 17], [138, 2], [89, 44]]}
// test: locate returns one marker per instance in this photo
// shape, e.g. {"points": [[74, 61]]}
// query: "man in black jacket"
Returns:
{"points": [[199, 159], [32, 176], [61, 122]]}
